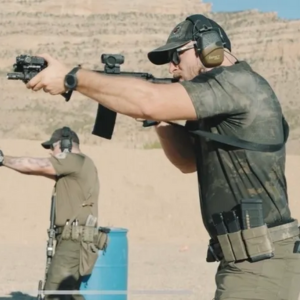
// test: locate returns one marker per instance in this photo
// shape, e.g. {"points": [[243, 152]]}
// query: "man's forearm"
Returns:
{"points": [[178, 147], [25, 165], [125, 95]]}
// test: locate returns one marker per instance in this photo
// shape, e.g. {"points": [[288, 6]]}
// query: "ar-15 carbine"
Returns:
{"points": [[26, 67]]}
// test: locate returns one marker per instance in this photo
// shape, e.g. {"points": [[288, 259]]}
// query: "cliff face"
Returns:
{"points": [[78, 32], [87, 7]]}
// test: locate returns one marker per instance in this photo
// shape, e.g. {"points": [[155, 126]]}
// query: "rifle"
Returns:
{"points": [[26, 67], [49, 251]]}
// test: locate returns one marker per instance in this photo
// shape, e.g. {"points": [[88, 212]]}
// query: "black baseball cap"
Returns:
{"points": [[57, 136], [182, 34]]}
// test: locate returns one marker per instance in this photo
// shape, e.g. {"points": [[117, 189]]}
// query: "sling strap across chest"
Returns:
{"points": [[237, 142]]}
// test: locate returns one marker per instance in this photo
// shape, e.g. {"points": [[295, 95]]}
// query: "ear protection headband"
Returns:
{"points": [[66, 140], [209, 43]]}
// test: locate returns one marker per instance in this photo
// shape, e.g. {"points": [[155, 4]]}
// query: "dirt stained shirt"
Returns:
{"points": [[77, 181], [236, 101]]}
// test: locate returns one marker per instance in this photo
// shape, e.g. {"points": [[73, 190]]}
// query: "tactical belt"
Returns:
{"points": [[83, 233], [252, 244]]}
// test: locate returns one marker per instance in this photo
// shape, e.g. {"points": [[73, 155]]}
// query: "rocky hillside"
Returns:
{"points": [[80, 33]]}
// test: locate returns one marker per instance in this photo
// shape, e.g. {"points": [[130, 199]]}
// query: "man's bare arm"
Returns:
{"points": [[178, 147], [30, 165], [136, 97], [127, 95]]}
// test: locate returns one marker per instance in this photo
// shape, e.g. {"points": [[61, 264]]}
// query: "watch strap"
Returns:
{"points": [[74, 70]]}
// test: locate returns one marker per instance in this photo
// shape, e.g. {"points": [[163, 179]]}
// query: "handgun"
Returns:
{"points": [[27, 66]]}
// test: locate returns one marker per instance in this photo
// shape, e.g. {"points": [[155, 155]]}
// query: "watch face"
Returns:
{"points": [[70, 81]]}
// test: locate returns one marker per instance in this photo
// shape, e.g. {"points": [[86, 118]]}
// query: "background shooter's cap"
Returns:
{"points": [[179, 36], [57, 136]]}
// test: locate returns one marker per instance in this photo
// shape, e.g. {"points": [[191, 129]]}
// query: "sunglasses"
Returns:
{"points": [[174, 55]]}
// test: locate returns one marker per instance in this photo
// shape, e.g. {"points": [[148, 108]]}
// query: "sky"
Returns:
{"points": [[287, 9]]}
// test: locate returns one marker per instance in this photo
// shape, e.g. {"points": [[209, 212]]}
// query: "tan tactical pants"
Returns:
{"points": [[272, 279], [63, 273]]}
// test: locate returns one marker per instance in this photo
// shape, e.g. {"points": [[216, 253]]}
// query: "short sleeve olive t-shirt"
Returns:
{"points": [[236, 101], [77, 182]]}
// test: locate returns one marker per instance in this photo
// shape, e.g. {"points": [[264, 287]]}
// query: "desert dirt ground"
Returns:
{"points": [[140, 191]]}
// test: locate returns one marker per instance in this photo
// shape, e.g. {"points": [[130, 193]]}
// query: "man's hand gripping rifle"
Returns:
{"points": [[26, 67]]}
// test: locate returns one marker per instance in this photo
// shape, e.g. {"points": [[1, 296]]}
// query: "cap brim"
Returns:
{"points": [[159, 56], [47, 144]]}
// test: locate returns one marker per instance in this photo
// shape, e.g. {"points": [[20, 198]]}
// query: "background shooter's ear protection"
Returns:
{"points": [[209, 41], [66, 140]]}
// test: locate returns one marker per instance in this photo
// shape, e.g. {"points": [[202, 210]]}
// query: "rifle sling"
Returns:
{"points": [[85, 203], [239, 143]]}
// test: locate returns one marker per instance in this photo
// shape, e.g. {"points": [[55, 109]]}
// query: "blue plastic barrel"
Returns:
{"points": [[109, 278]]}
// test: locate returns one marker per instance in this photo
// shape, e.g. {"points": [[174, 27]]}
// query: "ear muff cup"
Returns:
{"points": [[209, 43]]}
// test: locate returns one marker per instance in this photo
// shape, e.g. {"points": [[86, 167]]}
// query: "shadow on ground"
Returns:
{"points": [[18, 296]]}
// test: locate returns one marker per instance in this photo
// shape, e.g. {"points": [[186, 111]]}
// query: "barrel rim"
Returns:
{"points": [[116, 229]]}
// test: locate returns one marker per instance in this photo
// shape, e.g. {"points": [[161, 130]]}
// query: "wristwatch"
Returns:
{"points": [[1, 158], [71, 79]]}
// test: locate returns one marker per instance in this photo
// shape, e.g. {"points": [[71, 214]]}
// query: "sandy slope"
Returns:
{"points": [[141, 191]]}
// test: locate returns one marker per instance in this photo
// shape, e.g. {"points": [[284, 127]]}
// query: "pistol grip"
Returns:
{"points": [[67, 95]]}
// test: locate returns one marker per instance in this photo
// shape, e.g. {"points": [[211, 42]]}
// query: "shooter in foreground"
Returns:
{"points": [[75, 208], [243, 193]]}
